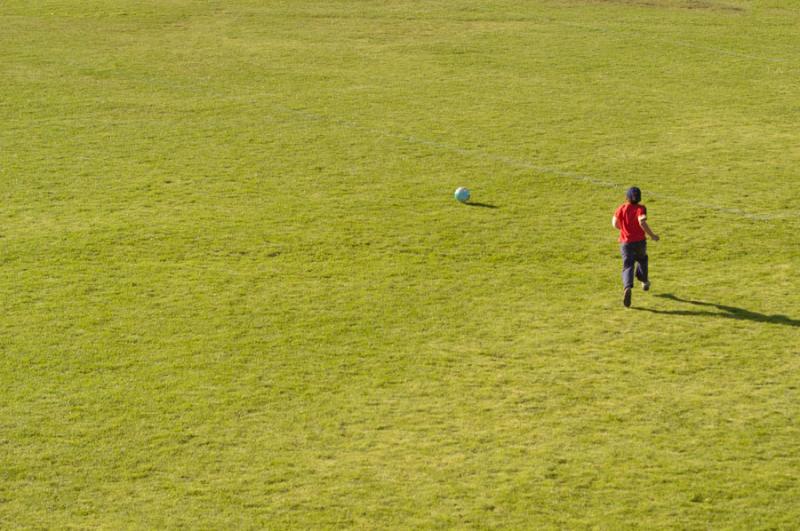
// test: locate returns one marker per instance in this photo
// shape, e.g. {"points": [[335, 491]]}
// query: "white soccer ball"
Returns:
{"points": [[462, 194]]}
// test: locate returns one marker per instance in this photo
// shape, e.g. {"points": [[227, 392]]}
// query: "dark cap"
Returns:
{"points": [[634, 195]]}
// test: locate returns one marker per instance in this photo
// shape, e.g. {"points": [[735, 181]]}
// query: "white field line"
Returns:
{"points": [[528, 165]]}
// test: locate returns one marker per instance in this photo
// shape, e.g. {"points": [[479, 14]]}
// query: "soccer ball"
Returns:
{"points": [[462, 194]]}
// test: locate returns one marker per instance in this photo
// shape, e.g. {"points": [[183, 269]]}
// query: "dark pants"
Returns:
{"points": [[634, 253]]}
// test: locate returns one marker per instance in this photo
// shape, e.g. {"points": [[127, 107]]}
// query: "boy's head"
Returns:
{"points": [[634, 195]]}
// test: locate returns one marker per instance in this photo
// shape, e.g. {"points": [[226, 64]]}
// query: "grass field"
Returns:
{"points": [[237, 291]]}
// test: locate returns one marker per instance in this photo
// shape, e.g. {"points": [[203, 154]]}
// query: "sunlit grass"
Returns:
{"points": [[238, 292]]}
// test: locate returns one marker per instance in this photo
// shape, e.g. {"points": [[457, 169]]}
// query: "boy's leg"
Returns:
{"points": [[642, 272], [641, 261], [628, 262], [641, 268]]}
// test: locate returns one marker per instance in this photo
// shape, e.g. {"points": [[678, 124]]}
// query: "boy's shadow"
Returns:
{"points": [[730, 312]]}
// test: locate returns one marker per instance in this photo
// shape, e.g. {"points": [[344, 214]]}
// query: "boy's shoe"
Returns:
{"points": [[646, 285], [626, 297]]}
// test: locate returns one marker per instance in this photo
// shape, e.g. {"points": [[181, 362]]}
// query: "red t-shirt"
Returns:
{"points": [[628, 216]]}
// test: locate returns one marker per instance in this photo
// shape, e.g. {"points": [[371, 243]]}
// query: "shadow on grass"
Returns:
{"points": [[482, 205], [730, 312]]}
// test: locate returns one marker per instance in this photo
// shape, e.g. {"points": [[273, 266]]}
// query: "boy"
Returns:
{"points": [[631, 220]]}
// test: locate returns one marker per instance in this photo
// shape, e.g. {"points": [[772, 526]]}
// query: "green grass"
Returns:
{"points": [[237, 291]]}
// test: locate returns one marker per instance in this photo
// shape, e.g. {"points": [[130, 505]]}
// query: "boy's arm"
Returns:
{"points": [[647, 229], [614, 222]]}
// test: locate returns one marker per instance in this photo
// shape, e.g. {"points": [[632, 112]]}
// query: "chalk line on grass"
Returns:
{"points": [[528, 165]]}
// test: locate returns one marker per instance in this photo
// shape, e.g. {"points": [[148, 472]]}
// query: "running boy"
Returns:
{"points": [[631, 220]]}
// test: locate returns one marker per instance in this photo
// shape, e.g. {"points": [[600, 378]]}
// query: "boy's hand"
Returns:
{"points": [[655, 237]]}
